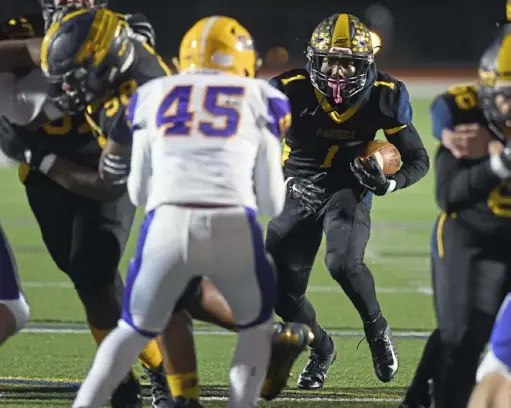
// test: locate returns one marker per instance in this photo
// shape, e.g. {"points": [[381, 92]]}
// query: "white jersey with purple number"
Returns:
{"points": [[208, 137]]}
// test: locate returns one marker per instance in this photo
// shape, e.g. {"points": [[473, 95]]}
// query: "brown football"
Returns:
{"points": [[385, 153]]}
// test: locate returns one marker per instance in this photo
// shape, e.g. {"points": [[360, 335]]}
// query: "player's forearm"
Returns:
{"points": [[413, 154], [83, 181], [461, 187], [15, 54]]}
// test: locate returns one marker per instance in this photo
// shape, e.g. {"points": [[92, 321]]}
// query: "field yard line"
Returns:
{"points": [[41, 329], [319, 399], [312, 288]]}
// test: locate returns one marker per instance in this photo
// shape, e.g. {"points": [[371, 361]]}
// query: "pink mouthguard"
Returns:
{"points": [[337, 86]]}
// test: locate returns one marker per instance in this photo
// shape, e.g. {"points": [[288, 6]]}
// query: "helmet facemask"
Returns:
{"points": [[54, 10], [338, 74]]}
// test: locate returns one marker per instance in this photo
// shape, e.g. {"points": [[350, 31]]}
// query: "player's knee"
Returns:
{"points": [[143, 325], [342, 267], [288, 307], [20, 311]]}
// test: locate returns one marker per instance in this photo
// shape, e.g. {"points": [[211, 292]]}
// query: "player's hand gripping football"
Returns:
{"points": [[310, 195], [370, 175]]}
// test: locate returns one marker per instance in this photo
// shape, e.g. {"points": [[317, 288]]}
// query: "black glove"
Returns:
{"points": [[142, 28], [14, 140], [310, 195], [371, 176]]}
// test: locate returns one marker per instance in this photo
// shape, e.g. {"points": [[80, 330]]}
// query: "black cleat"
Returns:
{"points": [[289, 340], [405, 405], [161, 397], [128, 394], [314, 374], [180, 402], [383, 351]]}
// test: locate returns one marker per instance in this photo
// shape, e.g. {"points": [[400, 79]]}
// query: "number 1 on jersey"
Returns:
{"points": [[176, 118], [332, 152]]}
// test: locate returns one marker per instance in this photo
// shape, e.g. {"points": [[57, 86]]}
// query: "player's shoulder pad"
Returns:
{"points": [[458, 104], [393, 98], [290, 79], [277, 108]]}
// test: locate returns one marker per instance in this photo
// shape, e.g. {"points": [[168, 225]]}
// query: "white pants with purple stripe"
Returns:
{"points": [[10, 290], [176, 244]]}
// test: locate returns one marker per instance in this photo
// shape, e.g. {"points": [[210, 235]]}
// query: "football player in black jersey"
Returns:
{"points": [[84, 223], [339, 102], [470, 251]]}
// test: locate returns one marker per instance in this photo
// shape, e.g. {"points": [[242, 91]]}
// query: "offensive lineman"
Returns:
{"points": [[202, 170], [84, 235]]}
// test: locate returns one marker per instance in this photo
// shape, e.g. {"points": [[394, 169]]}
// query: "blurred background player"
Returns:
{"points": [[470, 255], [339, 102], [84, 224], [494, 372], [190, 147]]}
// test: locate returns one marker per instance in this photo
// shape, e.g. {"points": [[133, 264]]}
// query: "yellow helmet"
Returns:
{"points": [[219, 42]]}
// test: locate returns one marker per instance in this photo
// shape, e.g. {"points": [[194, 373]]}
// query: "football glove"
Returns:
{"points": [[371, 176], [141, 28], [115, 169], [18, 144], [310, 196]]}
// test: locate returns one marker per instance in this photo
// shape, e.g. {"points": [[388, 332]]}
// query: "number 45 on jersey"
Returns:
{"points": [[176, 117]]}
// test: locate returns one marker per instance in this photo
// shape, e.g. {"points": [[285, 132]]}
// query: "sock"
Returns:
{"points": [[185, 385], [249, 365], [151, 356], [113, 360]]}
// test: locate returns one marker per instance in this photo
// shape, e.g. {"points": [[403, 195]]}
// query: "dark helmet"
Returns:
{"points": [[495, 77], [84, 55]]}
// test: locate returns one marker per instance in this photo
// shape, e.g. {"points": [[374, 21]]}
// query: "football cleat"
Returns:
{"points": [[128, 394], [289, 340], [314, 374], [383, 351], [161, 397]]}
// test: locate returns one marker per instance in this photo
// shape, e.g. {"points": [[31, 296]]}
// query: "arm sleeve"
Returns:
{"points": [[402, 133], [441, 117], [268, 175], [413, 154], [140, 168], [459, 185], [21, 100]]}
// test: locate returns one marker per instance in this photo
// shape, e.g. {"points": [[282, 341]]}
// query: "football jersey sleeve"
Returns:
{"points": [[140, 167], [441, 117]]}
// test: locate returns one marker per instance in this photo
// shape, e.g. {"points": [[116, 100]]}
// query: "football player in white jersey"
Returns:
{"points": [[494, 374], [205, 160]]}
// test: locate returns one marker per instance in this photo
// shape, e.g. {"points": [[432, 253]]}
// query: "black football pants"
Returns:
{"points": [[470, 280], [293, 239]]}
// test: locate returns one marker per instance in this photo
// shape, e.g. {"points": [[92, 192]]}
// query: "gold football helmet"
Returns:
{"points": [[495, 81], [220, 43], [340, 53]]}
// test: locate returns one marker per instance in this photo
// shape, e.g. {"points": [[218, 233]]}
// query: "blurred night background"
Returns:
{"points": [[423, 37]]}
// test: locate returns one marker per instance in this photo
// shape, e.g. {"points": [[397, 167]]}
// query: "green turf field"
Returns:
{"points": [[56, 349]]}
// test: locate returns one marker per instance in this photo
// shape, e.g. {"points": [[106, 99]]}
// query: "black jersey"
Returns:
{"points": [[466, 188]]}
